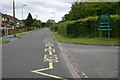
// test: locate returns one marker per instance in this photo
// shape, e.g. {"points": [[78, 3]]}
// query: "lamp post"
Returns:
{"points": [[54, 15], [22, 9], [14, 18]]}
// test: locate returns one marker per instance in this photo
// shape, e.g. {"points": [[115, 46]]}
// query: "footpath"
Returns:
{"points": [[7, 37]]}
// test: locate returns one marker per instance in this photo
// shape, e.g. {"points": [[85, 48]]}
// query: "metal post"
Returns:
{"points": [[14, 18], [100, 34], [22, 12], [108, 34], [22, 9]]}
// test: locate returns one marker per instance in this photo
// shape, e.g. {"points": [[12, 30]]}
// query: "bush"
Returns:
{"points": [[86, 28], [115, 26]]}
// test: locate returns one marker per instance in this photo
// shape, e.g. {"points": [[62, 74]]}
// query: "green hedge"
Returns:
{"points": [[85, 28], [115, 26], [22, 27]]}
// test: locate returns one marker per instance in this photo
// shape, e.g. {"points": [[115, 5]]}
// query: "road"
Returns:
{"points": [[94, 61], [24, 55]]}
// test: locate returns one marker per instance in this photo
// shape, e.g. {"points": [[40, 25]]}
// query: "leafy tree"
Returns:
{"points": [[82, 10], [36, 23], [29, 21], [49, 22], [43, 24], [118, 8]]}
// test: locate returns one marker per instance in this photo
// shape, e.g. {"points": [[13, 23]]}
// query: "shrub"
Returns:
{"points": [[86, 28]]}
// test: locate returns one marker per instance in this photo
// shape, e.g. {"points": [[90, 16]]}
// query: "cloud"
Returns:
{"points": [[40, 8]]}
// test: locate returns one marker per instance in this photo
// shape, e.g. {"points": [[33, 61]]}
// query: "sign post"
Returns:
{"points": [[104, 24]]}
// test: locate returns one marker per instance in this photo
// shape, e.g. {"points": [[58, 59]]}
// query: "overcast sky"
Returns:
{"points": [[42, 8]]}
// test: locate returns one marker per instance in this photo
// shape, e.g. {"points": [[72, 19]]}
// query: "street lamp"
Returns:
{"points": [[14, 18], [22, 9], [54, 15]]}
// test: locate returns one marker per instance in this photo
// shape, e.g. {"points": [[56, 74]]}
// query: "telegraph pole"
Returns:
{"points": [[14, 18]]}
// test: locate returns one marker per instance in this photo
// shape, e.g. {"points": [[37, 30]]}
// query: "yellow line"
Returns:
{"points": [[49, 75], [50, 67], [45, 74], [40, 70]]}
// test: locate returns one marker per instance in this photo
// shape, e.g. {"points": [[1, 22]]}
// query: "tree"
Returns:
{"points": [[36, 23], [82, 10], [29, 21], [49, 22], [43, 24]]}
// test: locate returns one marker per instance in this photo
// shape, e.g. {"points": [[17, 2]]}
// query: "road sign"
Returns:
{"points": [[104, 17], [104, 29], [104, 26], [104, 23]]}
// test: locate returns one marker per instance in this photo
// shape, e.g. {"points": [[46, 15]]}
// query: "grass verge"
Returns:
{"points": [[89, 41], [23, 34], [14, 37], [3, 41]]}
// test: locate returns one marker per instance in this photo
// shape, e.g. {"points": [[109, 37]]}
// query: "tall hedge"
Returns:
{"points": [[86, 28]]}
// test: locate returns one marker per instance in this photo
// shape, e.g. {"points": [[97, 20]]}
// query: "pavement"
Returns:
{"points": [[21, 57], [6, 37], [94, 61]]}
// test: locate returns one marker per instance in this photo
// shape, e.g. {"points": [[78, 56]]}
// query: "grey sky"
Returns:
{"points": [[41, 8]]}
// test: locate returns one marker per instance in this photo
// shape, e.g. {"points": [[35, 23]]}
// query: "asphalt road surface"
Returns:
{"points": [[25, 54], [95, 61]]}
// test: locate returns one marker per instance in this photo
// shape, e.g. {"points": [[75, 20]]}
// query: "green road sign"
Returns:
{"points": [[104, 29], [102, 23], [104, 26], [104, 17]]}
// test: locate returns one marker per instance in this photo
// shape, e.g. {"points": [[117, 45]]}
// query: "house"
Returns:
{"points": [[8, 20], [7, 23]]}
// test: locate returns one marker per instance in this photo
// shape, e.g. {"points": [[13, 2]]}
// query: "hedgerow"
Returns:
{"points": [[86, 28]]}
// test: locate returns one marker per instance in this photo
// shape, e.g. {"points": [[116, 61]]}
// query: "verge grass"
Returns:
{"points": [[3, 41], [92, 41], [14, 37]]}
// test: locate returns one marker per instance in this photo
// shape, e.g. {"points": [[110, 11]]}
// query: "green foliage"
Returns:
{"points": [[81, 10], [49, 22], [3, 41], [43, 24], [96, 41], [29, 21], [54, 27], [21, 27], [81, 20], [115, 26], [86, 27], [36, 24]]}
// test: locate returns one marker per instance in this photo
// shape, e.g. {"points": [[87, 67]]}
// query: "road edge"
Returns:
{"points": [[73, 67]]}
